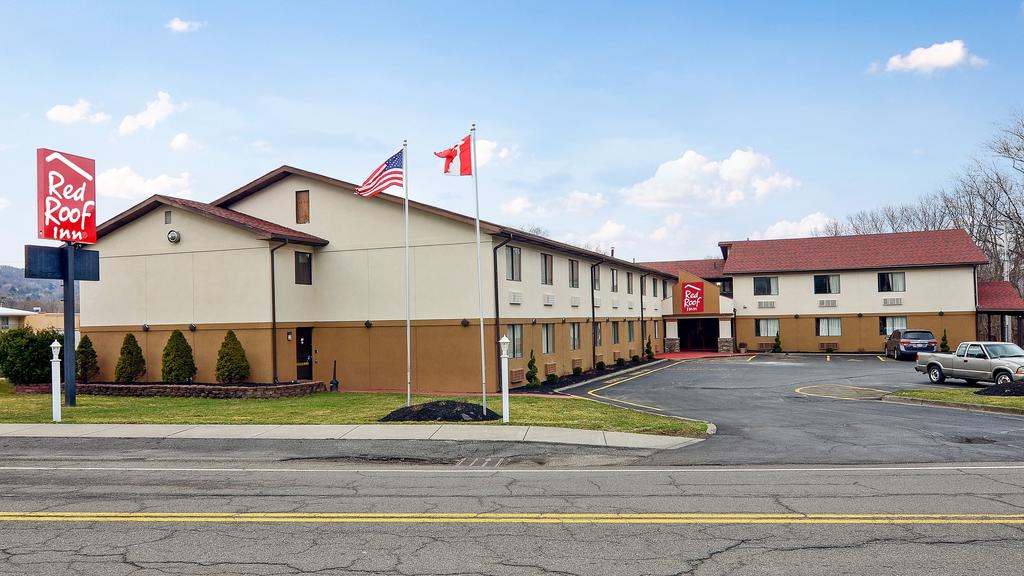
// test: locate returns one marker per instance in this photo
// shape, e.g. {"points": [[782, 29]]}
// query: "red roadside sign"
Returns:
{"points": [[66, 191]]}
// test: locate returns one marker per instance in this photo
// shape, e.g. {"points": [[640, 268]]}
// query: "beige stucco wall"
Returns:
{"points": [[215, 274], [949, 289]]}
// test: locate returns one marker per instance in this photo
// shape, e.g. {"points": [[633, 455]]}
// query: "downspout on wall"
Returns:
{"points": [[273, 308], [643, 325], [593, 316], [497, 314]]}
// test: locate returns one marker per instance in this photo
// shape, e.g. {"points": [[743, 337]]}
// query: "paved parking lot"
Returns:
{"points": [[811, 409]]}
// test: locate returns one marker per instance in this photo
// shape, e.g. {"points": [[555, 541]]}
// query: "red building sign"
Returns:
{"points": [[66, 189], [693, 297]]}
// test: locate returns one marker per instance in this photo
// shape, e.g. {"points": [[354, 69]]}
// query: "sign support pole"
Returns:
{"points": [[69, 325]]}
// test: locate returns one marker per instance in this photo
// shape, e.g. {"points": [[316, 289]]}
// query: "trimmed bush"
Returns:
{"points": [[620, 362], [552, 379], [87, 368], [25, 354], [944, 344], [601, 365], [577, 371], [177, 362], [130, 364], [232, 365], [531, 371], [635, 358], [649, 349], [777, 346]]}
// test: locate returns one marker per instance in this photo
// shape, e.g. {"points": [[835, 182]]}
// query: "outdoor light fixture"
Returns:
{"points": [[367, 323], [796, 315], [504, 342], [145, 327], [941, 313], [563, 320], [534, 321], [288, 335], [860, 314], [174, 236], [464, 322], [191, 327]]}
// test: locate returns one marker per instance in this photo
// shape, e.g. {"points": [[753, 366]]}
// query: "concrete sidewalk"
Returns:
{"points": [[464, 432]]}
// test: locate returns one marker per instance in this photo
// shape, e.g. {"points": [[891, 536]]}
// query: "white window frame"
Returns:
{"points": [[828, 326], [547, 338], [773, 285], [894, 286], [630, 331], [574, 336], [892, 323], [547, 269], [515, 336], [766, 327]]}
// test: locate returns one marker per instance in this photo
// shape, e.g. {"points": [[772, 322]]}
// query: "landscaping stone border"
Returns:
{"points": [[909, 400], [187, 390]]}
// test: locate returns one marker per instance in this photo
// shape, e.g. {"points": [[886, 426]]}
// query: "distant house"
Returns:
{"points": [[11, 318]]}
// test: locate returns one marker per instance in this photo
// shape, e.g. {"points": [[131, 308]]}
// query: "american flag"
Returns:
{"points": [[388, 174]]}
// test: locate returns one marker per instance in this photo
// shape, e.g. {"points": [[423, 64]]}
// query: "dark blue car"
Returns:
{"points": [[907, 343]]}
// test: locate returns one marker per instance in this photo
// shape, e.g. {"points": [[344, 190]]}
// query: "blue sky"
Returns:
{"points": [[659, 128]]}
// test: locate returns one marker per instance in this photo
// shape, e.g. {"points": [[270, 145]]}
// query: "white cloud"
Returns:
{"points": [[179, 26], [183, 141], [935, 57], [663, 232], [80, 111], [692, 178], [125, 183], [156, 111], [801, 228], [610, 231], [261, 145], [517, 205], [578, 201], [4, 202], [488, 151]]}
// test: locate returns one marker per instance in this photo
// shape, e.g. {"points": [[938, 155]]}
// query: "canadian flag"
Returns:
{"points": [[458, 160]]}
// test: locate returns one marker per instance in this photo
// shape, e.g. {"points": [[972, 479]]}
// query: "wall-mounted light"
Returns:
{"points": [[534, 321], [860, 314], [941, 313], [464, 322], [288, 335], [191, 327], [796, 316], [145, 327], [367, 323], [563, 320]]}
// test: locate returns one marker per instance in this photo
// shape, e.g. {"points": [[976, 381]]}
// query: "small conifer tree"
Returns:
{"points": [[944, 344], [232, 365], [177, 362], [531, 371], [87, 366], [130, 364], [649, 349]]}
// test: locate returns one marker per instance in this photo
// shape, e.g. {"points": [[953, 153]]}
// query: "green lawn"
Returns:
{"points": [[964, 396], [327, 408]]}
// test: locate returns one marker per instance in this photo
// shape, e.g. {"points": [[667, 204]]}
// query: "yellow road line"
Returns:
{"points": [[880, 358], [623, 380], [752, 357], [512, 518], [828, 358], [802, 389]]}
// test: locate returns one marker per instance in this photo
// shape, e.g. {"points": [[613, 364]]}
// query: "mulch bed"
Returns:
{"points": [[441, 411], [571, 379], [194, 390], [1012, 389]]}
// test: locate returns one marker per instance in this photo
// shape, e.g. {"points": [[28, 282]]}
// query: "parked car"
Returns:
{"points": [[908, 342], [999, 362]]}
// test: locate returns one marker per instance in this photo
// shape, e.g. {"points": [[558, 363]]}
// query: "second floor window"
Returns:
{"points": [[513, 263], [724, 287], [302, 207], [547, 269], [304, 268], [615, 280], [766, 285], [892, 281], [595, 277], [654, 287], [826, 283], [664, 288], [574, 273], [629, 282]]}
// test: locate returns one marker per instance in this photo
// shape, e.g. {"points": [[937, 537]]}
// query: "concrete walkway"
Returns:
{"points": [[465, 432]]}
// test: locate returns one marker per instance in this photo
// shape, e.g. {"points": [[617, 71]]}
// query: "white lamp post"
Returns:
{"points": [[55, 379], [504, 378]]}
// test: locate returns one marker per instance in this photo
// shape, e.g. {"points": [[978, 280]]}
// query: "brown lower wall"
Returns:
{"points": [[445, 354], [860, 333]]}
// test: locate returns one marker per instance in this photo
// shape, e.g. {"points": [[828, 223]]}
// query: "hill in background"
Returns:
{"points": [[16, 291]]}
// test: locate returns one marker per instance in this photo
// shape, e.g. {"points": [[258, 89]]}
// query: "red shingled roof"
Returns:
{"points": [[868, 251], [258, 226], [999, 296], [705, 268]]}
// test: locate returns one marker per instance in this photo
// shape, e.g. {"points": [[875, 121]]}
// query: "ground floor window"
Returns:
{"points": [[515, 335], [574, 336], [547, 338], [766, 327], [615, 332], [656, 329], [629, 331], [597, 334], [829, 327], [886, 324]]}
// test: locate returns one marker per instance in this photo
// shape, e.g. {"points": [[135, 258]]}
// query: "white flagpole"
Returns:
{"points": [[479, 270], [408, 307]]}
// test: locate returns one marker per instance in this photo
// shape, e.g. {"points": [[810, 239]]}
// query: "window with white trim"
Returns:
{"points": [[629, 331], [574, 336], [766, 285], [615, 332], [766, 327], [547, 269], [547, 338], [886, 324], [513, 263], [892, 281], [829, 327], [515, 336]]}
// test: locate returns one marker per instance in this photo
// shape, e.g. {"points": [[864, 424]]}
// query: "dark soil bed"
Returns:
{"points": [[1012, 389], [441, 411], [571, 379]]}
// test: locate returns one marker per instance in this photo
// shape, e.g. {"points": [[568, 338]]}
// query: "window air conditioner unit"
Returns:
{"points": [[763, 304], [574, 301], [892, 301], [515, 297], [549, 299], [597, 301], [615, 302], [827, 303], [629, 304]]}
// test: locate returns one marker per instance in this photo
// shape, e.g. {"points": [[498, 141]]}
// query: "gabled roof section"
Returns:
{"points": [[15, 312], [485, 227], [868, 251], [257, 226], [707, 268], [999, 296]]}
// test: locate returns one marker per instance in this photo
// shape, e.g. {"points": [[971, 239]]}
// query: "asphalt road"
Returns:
{"points": [[779, 409], [149, 508]]}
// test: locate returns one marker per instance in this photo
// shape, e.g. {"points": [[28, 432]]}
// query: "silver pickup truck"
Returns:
{"points": [[999, 362]]}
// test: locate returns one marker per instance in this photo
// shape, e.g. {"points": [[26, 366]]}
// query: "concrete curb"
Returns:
{"points": [[615, 374], [437, 431], [943, 404]]}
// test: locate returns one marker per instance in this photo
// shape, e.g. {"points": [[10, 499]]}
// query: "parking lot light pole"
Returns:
{"points": [[55, 379], [504, 378]]}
